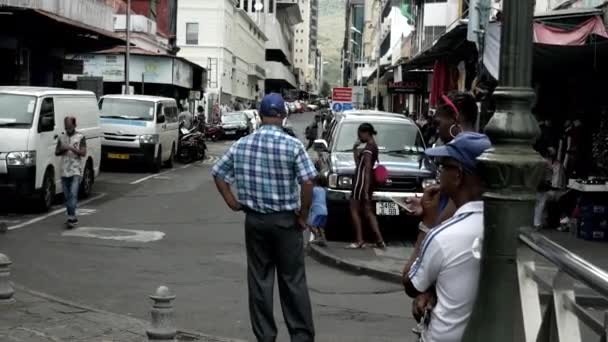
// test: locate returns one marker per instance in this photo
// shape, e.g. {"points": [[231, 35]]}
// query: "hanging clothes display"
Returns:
{"points": [[462, 76], [438, 85], [600, 146]]}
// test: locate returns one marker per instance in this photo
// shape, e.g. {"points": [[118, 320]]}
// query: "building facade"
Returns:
{"points": [[277, 19], [305, 48], [28, 57], [225, 39]]}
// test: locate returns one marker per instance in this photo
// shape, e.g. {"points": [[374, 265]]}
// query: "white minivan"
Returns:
{"points": [[139, 128], [31, 121]]}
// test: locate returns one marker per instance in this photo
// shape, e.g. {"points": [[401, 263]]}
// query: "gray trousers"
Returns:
{"points": [[274, 241]]}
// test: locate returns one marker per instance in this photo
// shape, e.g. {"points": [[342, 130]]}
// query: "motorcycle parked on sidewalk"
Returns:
{"points": [[191, 144]]}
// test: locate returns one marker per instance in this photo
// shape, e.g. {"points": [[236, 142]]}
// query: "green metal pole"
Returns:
{"points": [[512, 170]]}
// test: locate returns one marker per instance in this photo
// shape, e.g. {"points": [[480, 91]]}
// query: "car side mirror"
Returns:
{"points": [[47, 123], [320, 145], [161, 118]]}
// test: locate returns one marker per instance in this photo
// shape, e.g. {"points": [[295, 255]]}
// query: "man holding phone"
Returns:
{"points": [[71, 146], [446, 264]]}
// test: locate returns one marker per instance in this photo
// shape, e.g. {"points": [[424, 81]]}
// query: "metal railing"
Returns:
{"points": [[560, 321]]}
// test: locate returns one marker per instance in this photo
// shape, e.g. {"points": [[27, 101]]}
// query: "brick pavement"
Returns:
{"points": [[37, 317]]}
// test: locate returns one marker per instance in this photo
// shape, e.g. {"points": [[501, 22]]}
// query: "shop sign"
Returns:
{"points": [[182, 74], [407, 86], [154, 69]]}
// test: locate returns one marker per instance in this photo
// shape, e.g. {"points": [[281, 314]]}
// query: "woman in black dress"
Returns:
{"points": [[366, 156]]}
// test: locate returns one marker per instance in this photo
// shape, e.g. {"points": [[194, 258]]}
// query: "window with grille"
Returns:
{"points": [[192, 33]]}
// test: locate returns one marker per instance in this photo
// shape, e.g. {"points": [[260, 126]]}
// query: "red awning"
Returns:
{"points": [[551, 35]]}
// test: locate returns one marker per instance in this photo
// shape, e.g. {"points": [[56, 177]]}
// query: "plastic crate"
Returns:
{"points": [[594, 228]]}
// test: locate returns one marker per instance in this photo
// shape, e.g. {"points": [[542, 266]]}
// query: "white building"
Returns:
{"points": [[278, 19], [305, 47], [220, 36]]}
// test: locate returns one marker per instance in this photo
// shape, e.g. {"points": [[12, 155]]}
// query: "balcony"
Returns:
{"points": [[256, 71], [93, 13], [289, 10], [277, 46], [279, 72]]}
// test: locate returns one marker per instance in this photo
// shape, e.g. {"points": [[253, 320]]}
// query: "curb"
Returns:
{"points": [[194, 335], [324, 256]]}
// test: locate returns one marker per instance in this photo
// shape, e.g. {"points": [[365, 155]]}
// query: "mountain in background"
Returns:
{"points": [[331, 37]]}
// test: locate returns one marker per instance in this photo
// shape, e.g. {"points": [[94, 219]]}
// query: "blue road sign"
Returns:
{"points": [[337, 107]]}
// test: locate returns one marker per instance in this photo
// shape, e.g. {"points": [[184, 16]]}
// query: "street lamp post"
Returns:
{"points": [[378, 53], [128, 48], [512, 170]]}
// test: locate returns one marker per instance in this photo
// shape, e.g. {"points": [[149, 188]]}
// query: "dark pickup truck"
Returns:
{"points": [[401, 149]]}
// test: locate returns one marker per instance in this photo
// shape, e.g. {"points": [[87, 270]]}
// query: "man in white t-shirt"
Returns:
{"points": [[447, 264]]}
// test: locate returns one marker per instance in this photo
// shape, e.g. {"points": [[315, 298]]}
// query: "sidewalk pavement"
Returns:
{"points": [[38, 317], [388, 264]]}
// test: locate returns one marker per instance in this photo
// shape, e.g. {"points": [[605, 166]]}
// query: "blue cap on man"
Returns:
{"points": [[272, 105], [464, 148]]}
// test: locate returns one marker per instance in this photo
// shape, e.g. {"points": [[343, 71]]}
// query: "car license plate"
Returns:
{"points": [[118, 156], [387, 209], [230, 133]]}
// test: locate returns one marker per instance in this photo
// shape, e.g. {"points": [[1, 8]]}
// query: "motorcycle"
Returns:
{"points": [[191, 144], [214, 132]]}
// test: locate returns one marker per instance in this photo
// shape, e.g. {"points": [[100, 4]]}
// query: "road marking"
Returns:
{"points": [[86, 212], [52, 213], [210, 160], [129, 235], [143, 179]]}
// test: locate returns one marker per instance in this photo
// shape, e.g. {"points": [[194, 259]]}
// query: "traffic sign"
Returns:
{"points": [[337, 107], [342, 95], [342, 99]]}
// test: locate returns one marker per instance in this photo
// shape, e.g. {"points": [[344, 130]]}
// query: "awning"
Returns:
{"points": [[559, 46], [452, 45], [80, 25]]}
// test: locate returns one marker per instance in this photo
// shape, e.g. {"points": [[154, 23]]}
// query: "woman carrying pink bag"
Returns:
{"points": [[366, 177]]}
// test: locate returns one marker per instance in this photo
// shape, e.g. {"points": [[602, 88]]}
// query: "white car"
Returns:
{"points": [[31, 121], [312, 107], [254, 118], [139, 128]]}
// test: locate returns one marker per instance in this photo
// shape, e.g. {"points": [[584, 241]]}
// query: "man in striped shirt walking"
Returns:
{"points": [[266, 168]]}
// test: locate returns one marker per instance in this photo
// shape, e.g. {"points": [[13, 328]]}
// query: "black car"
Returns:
{"points": [[235, 125], [401, 149]]}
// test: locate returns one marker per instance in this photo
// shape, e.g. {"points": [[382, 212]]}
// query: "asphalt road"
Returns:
{"points": [[141, 230]]}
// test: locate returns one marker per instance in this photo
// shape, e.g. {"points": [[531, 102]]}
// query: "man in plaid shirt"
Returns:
{"points": [[266, 168]]}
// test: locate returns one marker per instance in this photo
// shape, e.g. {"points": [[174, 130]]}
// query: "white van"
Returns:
{"points": [[139, 128], [31, 121]]}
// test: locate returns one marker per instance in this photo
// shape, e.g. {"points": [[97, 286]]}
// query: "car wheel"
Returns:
{"points": [[88, 178], [169, 163], [158, 161], [47, 193]]}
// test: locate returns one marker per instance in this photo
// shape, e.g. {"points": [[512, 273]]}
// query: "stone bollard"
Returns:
{"points": [[6, 289], [162, 328]]}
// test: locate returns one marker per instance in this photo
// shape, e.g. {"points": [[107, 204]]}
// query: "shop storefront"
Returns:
{"points": [[408, 95]]}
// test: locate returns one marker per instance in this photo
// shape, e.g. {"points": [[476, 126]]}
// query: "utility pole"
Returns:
{"points": [[512, 170], [128, 48], [378, 42]]}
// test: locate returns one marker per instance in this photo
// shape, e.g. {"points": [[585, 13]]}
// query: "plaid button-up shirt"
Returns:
{"points": [[265, 167]]}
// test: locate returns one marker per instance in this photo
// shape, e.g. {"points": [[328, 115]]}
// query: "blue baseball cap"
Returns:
{"points": [[465, 148], [272, 105]]}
